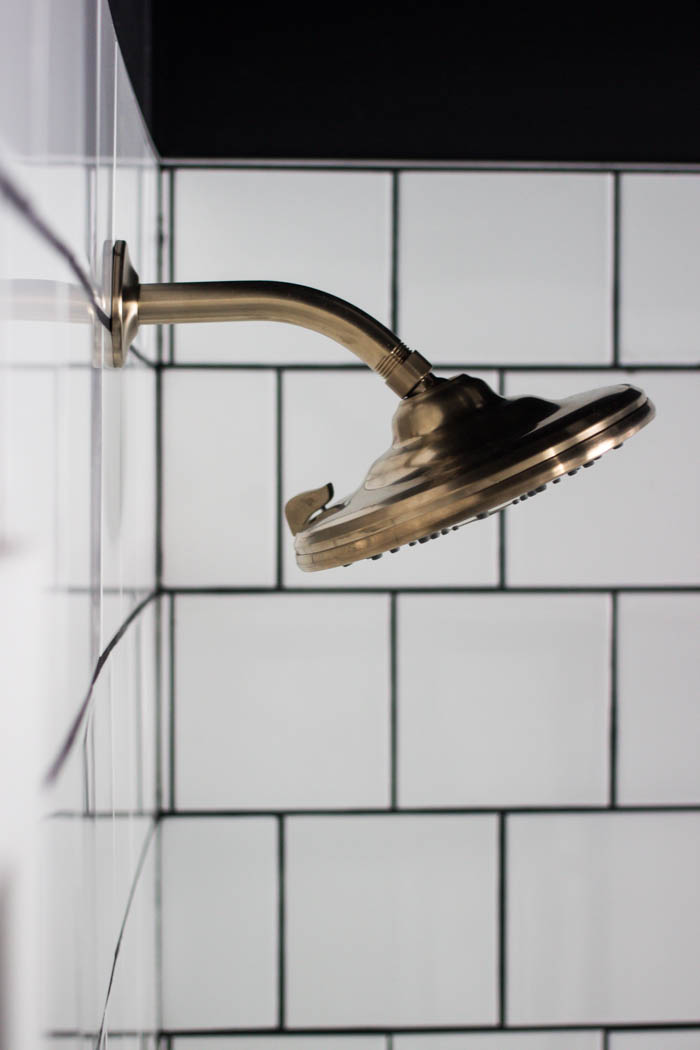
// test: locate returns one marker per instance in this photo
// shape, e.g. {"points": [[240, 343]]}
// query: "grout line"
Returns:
{"points": [[613, 742], [438, 366], [394, 323], [430, 811], [279, 472], [142, 357], [389, 1041], [605, 1039], [457, 589], [281, 926], [171, 728], [407, 164], [358, 1030], [616, 271], [393, 701], [69, 740], [132, 893], [502, 918]]}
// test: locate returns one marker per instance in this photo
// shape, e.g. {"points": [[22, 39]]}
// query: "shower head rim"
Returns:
{"points": [[458, 504]]}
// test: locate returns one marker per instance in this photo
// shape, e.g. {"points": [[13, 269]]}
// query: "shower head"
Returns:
{"points": [[460, 452]]}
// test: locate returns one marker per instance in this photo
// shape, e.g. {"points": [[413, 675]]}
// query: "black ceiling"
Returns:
{"points": [[414, 81]]}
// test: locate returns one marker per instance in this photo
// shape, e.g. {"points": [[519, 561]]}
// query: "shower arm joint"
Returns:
{"points": [[134, 304]]}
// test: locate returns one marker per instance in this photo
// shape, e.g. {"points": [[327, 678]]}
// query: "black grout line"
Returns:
{"points": [[393, 702], [659, 1026], [389, 165], [438, 366], [389, 1041], [502, 918], [394, 323], [142, 357], [159, 478], [616, 272], [281, 923], [132, 892], [171, 728], [457, 589], [613, 717], [432, 811], [279, 468], [605, 1039], [70, 738]]}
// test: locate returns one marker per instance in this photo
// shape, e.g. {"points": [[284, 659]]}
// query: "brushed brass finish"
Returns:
{"points": [[459, 451], [125, 300], [462, 452], [301, 508], [135, 304]]}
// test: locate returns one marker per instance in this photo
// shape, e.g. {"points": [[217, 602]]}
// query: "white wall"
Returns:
{"points": [[457, 788], [77, 475]]}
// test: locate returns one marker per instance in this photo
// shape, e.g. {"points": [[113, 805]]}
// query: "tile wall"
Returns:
{"points": [[77, 530], [447, 800]]}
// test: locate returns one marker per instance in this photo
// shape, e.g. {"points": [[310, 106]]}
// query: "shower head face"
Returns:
{"points": [[460, 452]]}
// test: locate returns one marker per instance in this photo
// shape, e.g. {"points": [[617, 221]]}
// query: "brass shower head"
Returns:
{"points": [[460, 452]]}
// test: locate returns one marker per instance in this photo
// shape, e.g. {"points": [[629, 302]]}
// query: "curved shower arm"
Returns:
{"points": [[135, 304]]}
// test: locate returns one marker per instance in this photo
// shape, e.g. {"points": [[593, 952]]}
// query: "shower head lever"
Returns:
{"points": [[300, 509], [135, 304]]}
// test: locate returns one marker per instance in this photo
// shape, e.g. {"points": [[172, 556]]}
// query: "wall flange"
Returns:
{"points": [[125, 303]]}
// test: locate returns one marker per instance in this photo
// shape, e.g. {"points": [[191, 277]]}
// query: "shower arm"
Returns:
{"points": [[135, 304]]}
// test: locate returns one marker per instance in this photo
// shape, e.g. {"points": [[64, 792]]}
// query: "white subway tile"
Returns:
{"points": [[501, 1041], [659, 1039], [116, 738], [78, 405], [219, 911], [510, 707], [72, 662], [603, 918], [659, 686], [329, 230], [659, 268], [29, 460], [133, 997], [113, 852], [391, 920], [219, 489], [506, 267], [288, 699], [60, 926], [633, 519], [128, 477], [335, 425]]}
